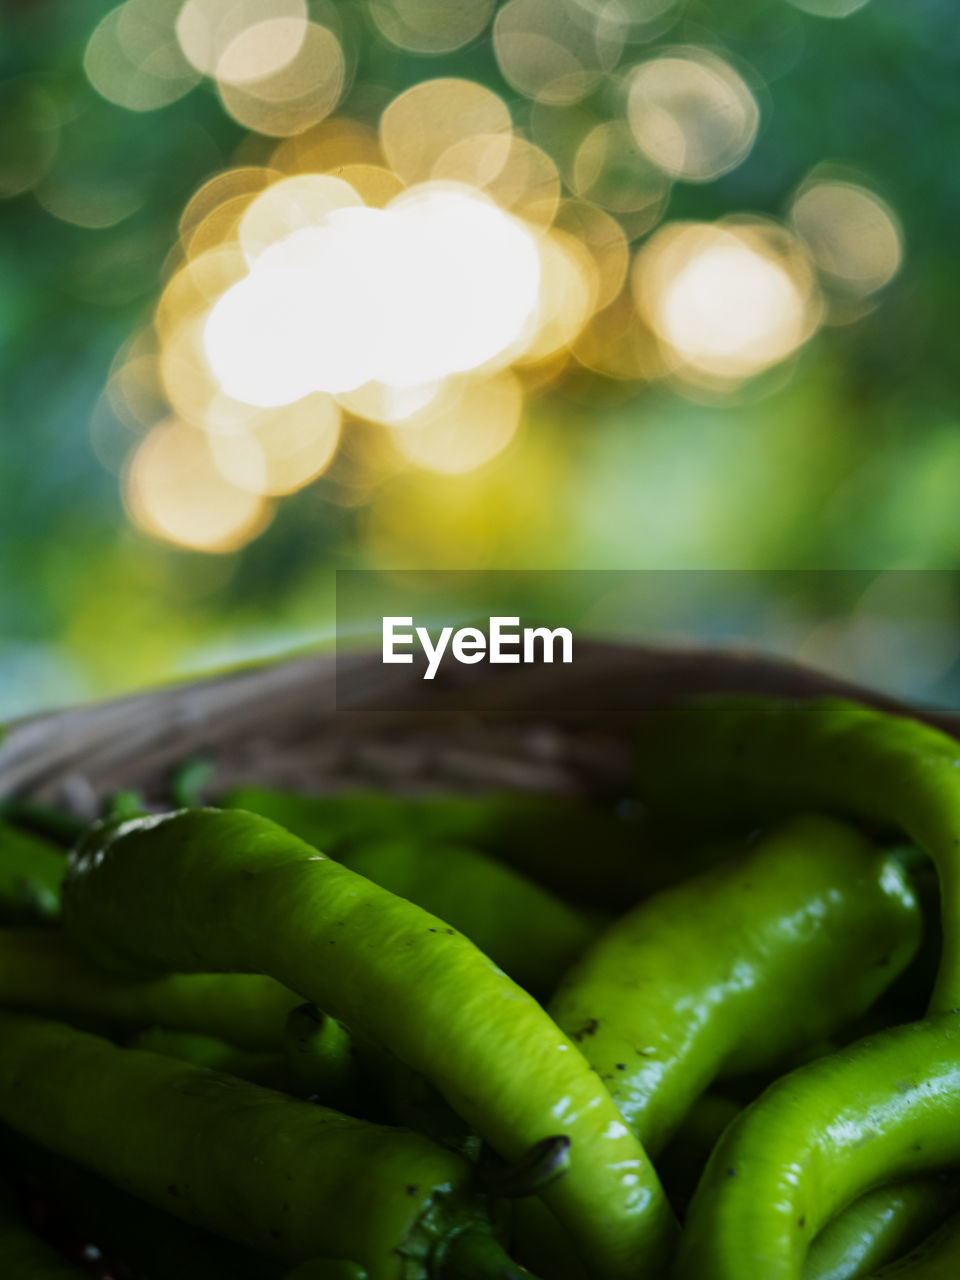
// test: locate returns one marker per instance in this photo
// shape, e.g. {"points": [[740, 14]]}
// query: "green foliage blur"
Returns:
{"points": [[849, 459]]}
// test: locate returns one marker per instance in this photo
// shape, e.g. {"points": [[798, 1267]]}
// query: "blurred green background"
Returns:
{"points": [[773, 388]]}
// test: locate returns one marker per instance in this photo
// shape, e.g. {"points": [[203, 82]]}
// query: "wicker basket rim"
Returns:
{"points": [[320, 709]]}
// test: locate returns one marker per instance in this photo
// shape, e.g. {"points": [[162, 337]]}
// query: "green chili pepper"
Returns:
{"points": [[269, 1069], [760, 753], [737, 968], [31, 872], [284, 1177], [321, 1056], [44, 972], [817, 1139], [542, 836], [879, 1226], [24, 1255], [156, 1246], [936, 1258], [532, 935], [206, 889]]}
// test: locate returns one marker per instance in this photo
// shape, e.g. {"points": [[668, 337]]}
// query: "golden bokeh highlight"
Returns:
{"points": [[191, 387], [569, 285], [376, 185], [389, 406], [292, 204], [281, 450], [377, 295], [726, 300], [604, 239], [426, 120], [464, 428], [377, 298], [219, 191], [196, 284], [328, 146], [527, 184], [133, 58], [852, 235], [430, 26], [548, 50], [296, 96], [208, 29], [692, 114], [174, 491], [261, 50], [610, 170], [615, 344]]}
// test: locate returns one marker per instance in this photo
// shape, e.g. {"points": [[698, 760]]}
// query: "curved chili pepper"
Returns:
{"points": [[759, 753], [41, 971], [817, 1139], [287, 1178], [543, 836], [208, 889], [936, 1258], [735, 969], [532, 935], [320, 1054], [880, 1226]]}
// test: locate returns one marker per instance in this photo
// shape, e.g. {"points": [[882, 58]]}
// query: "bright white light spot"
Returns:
{"points": [[439, 282], [727, 301]]}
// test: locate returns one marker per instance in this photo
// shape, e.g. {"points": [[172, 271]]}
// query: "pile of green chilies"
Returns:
{"points": [[470, 1038]]}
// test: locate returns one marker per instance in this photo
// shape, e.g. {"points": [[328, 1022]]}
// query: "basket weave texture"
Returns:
{"points": [[320, 724]]}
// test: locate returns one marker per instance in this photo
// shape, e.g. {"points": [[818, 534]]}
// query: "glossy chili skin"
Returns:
{"points": [[936, 1258], [214, 890], [816, 1140], [733, 970], [880, 1226], [531, 934], [42, 971], [286, 1178], [756, 753]]}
